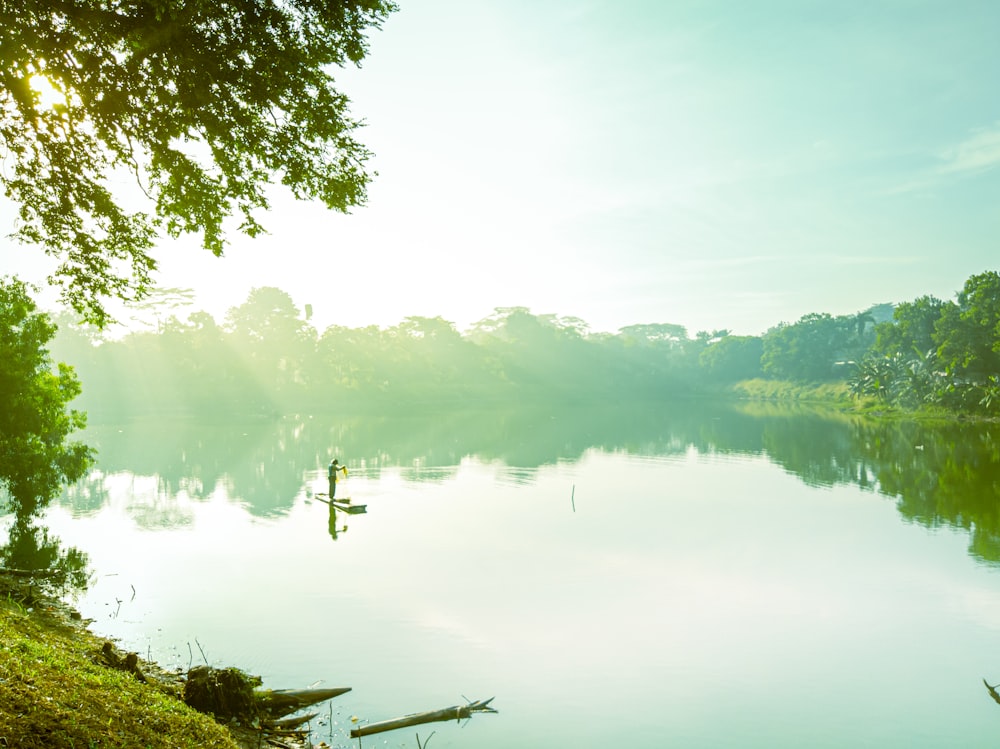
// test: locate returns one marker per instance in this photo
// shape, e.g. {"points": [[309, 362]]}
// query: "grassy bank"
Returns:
{"points": [[830, 393], [55, 693], [836, 396]]}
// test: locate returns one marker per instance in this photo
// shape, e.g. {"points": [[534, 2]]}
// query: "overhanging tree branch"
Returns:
{"points": [[209, 102]]}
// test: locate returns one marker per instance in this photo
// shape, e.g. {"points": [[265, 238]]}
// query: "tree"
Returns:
{"points": [[654, 334], [911, 331], [805, 350], [35, 456], [968, 333], [268, 330], [732, 358], [200, 104]]}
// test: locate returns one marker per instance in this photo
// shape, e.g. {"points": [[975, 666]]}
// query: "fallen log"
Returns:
{"points": [[229, 693], [458, 712], [278, 702], [288, 724]]}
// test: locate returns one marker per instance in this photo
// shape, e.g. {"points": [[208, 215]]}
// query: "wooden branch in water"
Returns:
{"points": [[992, 691], [458, 712], [289, 724], [278, 702]]}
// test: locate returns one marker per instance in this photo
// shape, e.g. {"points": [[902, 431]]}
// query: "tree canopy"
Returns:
{"points": [[199, 105]]}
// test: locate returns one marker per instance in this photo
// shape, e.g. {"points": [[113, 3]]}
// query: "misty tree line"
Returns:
{"points": [[265, 357]]}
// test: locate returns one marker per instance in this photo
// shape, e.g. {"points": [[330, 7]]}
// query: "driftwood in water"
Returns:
{"points": [[290, 723], [277, 702], [992, 691], [229, 693], [458, 712]]}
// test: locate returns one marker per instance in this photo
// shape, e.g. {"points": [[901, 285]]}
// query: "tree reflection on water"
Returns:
{"points": [[37, 560], [939, 473]]}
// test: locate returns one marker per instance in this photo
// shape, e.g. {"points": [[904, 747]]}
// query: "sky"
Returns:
{"points": [[712, 164]]}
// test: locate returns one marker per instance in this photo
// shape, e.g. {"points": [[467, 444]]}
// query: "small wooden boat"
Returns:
{"points": [[349, 508], [343, 504]]}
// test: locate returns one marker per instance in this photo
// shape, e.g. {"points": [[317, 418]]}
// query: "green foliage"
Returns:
{"points": [[912, 328], [266, 359], [990, 402], [197, 103], [817, 346], [968, 333], [939, 354], [805, 350], [908, 382], [35, 456], [732, 358], [874, 376]]}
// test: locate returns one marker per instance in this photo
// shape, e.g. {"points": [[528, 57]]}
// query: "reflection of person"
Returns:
{"points": [[332, 475], [332, 526]]}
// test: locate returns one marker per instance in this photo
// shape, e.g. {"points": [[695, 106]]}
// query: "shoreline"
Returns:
{"points": [[61, 685]]}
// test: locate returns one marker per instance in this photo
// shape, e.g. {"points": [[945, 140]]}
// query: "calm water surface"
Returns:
{"points": [[708, 579]]}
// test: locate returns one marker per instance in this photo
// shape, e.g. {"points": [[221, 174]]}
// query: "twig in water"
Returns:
{"points": [[993, 691], [426, 741], [133, 591], [355, 719], [202, 651], [190, 656]]}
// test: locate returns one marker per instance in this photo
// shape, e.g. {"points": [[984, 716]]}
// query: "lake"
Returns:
{"points": [[695, 576]]}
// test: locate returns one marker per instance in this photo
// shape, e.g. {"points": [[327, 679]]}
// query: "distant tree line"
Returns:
{"points": [[266, 358]]}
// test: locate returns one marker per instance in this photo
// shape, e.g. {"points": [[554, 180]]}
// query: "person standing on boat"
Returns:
{"points": [[332, 475]]}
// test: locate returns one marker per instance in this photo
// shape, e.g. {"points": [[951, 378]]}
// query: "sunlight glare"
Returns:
{"points": [[49, 96]]}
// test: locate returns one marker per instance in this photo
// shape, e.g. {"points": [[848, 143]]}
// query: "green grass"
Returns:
{"points": [[833, 397], [835, 392], [54, 695]]}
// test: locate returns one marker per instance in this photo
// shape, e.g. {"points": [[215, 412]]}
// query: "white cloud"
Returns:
{"points": [[979, 152]]}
